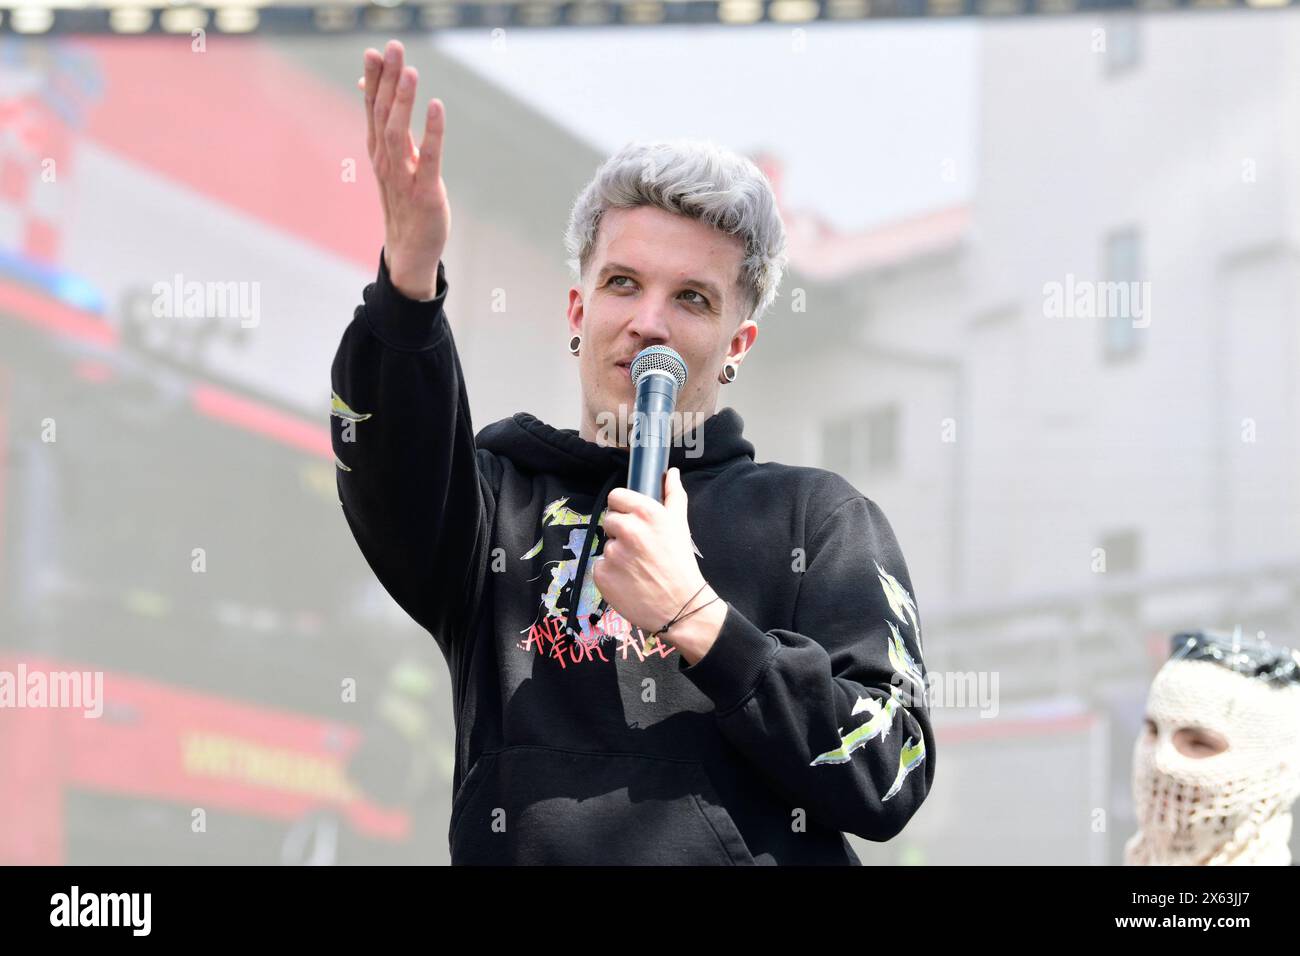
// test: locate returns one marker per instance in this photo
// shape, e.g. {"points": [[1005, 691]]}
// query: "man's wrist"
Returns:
{"points": [[693, 635], [420, 291], [418, 288]]}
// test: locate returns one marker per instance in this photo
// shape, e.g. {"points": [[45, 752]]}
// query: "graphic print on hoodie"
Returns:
{"points": [[565, 610], [577, 740], [582, 617]]}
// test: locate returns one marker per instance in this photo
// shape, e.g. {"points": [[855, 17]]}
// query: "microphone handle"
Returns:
{"points": [[652, 434]]}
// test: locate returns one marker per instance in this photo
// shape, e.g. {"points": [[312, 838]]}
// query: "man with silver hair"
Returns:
{"points": [[1217, 767], [729, 674]]}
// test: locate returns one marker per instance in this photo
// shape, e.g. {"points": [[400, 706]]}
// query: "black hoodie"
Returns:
{"points": [[577, 741]]}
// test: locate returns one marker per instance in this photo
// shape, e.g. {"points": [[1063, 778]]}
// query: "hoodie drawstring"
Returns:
{"points": [[588, 545]]}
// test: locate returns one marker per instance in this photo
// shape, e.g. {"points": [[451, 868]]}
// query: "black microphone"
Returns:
{"points": [[658, 373]]}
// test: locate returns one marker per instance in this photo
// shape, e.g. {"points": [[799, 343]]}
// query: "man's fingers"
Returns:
{"points": [[430, 152], [369, 82], [392, 69], [613, 525], [631, 502], [398, 128]]}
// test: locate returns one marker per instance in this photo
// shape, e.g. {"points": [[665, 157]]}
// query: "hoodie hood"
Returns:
{"points": [[536, 446]]}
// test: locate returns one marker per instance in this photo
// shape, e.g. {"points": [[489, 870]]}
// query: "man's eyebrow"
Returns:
{"points": [[620, 268]]}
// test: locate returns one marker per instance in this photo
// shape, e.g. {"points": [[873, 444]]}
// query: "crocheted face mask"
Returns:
{"points": [[1233, 807]]}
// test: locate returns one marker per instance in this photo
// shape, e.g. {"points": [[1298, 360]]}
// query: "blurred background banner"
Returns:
{"points": [[1041, 307], [231, 17]]}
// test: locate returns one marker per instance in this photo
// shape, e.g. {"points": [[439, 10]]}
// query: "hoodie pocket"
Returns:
{"points": [[543, 805]]}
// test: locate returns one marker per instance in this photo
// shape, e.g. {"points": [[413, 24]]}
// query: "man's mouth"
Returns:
{"points": [[626, 367]]}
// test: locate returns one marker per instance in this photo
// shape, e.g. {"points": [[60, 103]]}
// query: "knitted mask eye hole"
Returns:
{"points": [[1199, 743]]}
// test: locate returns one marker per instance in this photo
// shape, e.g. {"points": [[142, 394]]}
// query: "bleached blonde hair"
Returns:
{"points": [[692, 178]]}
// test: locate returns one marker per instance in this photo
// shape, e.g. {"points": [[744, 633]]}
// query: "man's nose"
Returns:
{"points": [[650, 323]]}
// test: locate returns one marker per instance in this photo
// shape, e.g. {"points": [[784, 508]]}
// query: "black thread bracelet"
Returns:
{"points": [[680, 616]]}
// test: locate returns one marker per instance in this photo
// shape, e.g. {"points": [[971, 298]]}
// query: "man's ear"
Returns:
{"points": [[742, 340], [576, 313]]}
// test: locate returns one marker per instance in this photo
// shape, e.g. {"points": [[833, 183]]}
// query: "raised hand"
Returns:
{"points": [[417, 216]]}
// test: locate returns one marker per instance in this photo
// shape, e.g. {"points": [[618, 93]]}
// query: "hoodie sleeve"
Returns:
{"points": [[409, 480], [833, 713]]}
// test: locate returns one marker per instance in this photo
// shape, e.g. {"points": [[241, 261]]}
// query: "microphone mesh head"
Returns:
{"points": [[659, 358]]}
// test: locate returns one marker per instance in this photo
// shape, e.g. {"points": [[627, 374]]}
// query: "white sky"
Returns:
{"points": [[864, 117]]}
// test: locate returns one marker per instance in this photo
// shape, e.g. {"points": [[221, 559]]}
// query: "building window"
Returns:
{"points": [[837, 446], [1121, 299], [882, 440], [1123, 44], [1123, 552], [863, 443]]}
